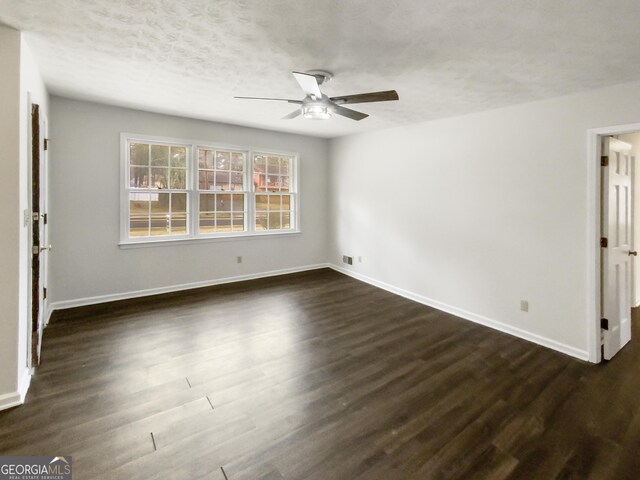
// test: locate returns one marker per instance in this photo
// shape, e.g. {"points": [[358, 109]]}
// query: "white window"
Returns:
{"points": [[222, 186], [158, 197], [181, 190], [274, 197]]}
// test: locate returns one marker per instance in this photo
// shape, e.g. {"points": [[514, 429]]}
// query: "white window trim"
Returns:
{"points": [[192, 208]]}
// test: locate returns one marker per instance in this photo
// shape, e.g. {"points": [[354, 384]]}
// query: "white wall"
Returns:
{"points": [[20, 77], [634, 140], [86, 261], [475, 213], [9, 212], [32, 89]]}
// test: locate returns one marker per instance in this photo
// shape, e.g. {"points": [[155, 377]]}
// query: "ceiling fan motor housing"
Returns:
{"points": [[317, 109]]}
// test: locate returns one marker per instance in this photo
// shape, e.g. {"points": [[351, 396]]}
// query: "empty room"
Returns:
{"points": [[340, 240]]}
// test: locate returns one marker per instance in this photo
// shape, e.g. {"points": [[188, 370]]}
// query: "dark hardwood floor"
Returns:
{"points": [[318, 376]]}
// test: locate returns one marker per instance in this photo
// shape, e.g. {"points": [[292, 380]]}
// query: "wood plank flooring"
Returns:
{"points": [[318, 376]]}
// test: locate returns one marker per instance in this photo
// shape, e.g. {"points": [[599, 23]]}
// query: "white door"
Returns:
{"points": [[617, 253]]}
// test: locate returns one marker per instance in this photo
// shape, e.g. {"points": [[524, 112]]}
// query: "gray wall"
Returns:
{"points": [[86, 261]]}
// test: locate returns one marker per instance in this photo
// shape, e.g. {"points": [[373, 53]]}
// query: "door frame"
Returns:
{"points": [[37, 306], [594, 226], [44, 200], [36, 324]]}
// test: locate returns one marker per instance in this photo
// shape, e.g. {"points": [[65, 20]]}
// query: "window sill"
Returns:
{"points": [[218, 238]]}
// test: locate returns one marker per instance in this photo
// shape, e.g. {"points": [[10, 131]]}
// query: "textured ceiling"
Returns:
{"points": [[444, 58]]}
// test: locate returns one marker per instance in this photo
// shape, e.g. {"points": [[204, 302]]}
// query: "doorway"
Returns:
{"points": [[39, 235], [614, 221]]}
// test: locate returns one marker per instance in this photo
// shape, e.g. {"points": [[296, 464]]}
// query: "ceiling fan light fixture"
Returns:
{"points": [[316, 112]]}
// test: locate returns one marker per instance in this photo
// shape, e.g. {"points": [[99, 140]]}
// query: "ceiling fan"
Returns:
{"points": [[316, 105]]}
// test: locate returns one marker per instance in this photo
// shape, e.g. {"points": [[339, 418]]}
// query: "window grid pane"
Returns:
{"points": [[273, 211], [165, 166], [221, 170], [153, 213], [221, 212]]}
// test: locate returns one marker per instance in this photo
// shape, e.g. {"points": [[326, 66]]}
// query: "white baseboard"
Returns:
{"points": [[458, 312], [9, 400], [79, 302], [13, 399]]}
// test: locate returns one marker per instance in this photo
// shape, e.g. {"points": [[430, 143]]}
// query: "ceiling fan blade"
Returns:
{"points": [[367, 97], [293, 114], [308, 83], [347, 112], [276, 99]]}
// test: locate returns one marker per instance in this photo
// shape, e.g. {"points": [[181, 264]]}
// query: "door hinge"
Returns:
{"points": [[44, 293], [604, 323], [46, 143], [604, 243], [35, 250], [604, 161]]}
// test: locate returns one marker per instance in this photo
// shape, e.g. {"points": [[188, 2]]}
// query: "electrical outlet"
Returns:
{"points": [[239, 259], [27, 217], [524, 305], [359, 259]]}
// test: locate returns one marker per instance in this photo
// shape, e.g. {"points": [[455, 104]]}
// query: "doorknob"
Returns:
{"points": [[634, 253]]}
